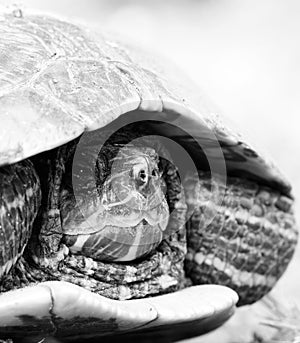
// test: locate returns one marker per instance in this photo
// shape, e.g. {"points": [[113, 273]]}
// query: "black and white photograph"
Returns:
{"points": [[149, 171]]}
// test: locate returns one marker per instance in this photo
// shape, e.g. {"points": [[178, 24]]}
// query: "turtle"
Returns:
{"points": [[128, 209]]}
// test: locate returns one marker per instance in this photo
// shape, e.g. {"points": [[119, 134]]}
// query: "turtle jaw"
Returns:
{"points": [[64, 310]]}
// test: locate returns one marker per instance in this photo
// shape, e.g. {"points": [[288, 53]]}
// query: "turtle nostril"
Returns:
{"points": [[155, 172]]}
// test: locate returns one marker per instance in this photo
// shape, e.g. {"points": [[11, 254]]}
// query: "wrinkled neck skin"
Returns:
{"points": [[106, 225]]}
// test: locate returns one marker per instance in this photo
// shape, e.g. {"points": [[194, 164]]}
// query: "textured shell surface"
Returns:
{"points": [[59, 80]]}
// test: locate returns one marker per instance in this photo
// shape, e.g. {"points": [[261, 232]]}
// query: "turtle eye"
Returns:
{"points": [[142, 175]]}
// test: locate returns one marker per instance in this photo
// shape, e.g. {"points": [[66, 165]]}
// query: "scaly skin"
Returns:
{"points": [[253, 229], [20, 199], [250, 242], [162, 271]]}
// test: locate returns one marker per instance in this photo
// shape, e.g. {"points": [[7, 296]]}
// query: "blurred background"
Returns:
{"points": [[244, 54]]}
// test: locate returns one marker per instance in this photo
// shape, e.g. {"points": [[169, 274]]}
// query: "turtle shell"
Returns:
{"points": [[58, 80]]}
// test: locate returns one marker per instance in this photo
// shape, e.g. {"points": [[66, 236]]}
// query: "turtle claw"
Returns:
{"points": [[64, 310]]}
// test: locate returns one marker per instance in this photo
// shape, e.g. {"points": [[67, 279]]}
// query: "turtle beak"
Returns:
{"points": [[69, 312]]}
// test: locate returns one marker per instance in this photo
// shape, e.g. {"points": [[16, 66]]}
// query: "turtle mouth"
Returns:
{"points": [[116, 238], [109, 245]]}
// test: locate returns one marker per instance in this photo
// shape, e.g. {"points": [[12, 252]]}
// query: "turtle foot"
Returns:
{"points": [[61, 309]]}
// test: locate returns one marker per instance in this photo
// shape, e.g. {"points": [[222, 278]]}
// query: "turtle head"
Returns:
{"points": [[127, 216], [135, 178]]}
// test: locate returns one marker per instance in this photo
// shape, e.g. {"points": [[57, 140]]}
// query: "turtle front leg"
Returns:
{"points": [[40, 214], [20, 198], [45, 245], [247, 242]]}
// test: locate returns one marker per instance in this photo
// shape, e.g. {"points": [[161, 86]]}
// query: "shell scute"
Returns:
{"points": [[88, 80]]}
